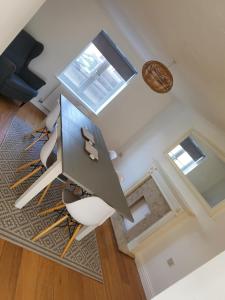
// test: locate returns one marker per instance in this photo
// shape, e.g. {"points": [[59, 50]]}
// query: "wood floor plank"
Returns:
{"points": [[2, 242], [25, 275], [68, 284], [7, 112], [9, 268], [34, 117]]}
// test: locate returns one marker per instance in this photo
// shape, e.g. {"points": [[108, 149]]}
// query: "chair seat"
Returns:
{"points": [[89, 211], [15, 86]]}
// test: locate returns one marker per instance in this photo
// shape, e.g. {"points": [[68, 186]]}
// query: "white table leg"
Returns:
{"points": [[85, 230], [47, 177]]}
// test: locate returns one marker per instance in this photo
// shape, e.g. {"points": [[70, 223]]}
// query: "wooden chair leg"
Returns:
{"points": [[69, 224], [69, 243], [58, 206], [49, 228], [43, 194], [27, 165], [40, 130], [21, 180], [32, 133], [34, 142], [59, 186]]}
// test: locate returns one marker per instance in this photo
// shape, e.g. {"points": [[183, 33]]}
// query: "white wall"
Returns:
{"points": [[206, 283], [187, 243], [210, 171], [154, 141], [65, 28], [190, 32], [216, 193], [194, 241], [209, 176], [14, 16]]}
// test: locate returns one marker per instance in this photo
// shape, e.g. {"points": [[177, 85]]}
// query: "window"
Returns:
{"points": [[187, 155], [98, 74]]}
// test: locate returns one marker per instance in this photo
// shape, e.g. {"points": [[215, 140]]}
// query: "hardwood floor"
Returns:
{"points": [[25, 275]]}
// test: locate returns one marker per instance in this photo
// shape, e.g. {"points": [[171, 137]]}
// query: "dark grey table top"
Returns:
{"points": [[97, 177]]}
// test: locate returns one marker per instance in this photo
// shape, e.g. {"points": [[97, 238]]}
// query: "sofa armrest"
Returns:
{"points": [[30, 78], [7, 68]]}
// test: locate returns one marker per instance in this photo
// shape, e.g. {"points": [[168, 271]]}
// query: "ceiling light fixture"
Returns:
{"points": [[157, 76]]}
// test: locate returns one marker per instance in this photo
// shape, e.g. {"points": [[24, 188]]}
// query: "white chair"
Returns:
{"points": [[47, 158], [90, 211], [47, 126]]}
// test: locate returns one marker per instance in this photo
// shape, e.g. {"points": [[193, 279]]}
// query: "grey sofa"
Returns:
{"points": [[16, 80]]}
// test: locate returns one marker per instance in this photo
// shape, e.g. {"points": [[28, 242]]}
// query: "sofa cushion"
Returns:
{"points": [[19, 49], [17, 88]]}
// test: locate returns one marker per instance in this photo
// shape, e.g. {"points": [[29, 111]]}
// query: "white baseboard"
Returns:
{"points": [[40, 106], [145, 280]]}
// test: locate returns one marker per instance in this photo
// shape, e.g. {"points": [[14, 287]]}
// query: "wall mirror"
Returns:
{"points": [[202, 165]]}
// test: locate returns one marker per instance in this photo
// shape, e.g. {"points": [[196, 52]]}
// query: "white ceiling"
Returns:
{"points": [[190, 32], [130, 111]]}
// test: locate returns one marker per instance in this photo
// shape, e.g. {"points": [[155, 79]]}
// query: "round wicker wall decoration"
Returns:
{"points": [[157, 76]]}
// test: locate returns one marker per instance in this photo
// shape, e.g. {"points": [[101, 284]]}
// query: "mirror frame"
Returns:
{"points": [[221, 205]]}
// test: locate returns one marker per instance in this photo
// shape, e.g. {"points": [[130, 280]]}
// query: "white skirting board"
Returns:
{"points": [[145, 280], [50, 101], [39, 105]]}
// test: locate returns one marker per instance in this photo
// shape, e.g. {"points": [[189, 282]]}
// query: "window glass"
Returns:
{"points": [[93, 78], [187, 155]]}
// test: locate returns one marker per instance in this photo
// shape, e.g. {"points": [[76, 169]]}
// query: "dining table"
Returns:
{"points": [[97, 177]]}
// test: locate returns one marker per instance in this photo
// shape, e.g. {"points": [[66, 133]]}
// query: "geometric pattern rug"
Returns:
{"points": [[20, 225]]}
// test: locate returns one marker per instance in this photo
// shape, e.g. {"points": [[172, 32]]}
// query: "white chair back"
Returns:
{"points": [[52, 117], [90, 211], [48, 147]]}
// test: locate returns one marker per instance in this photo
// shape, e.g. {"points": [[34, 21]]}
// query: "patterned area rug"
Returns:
{"points": [[19, 226]]}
